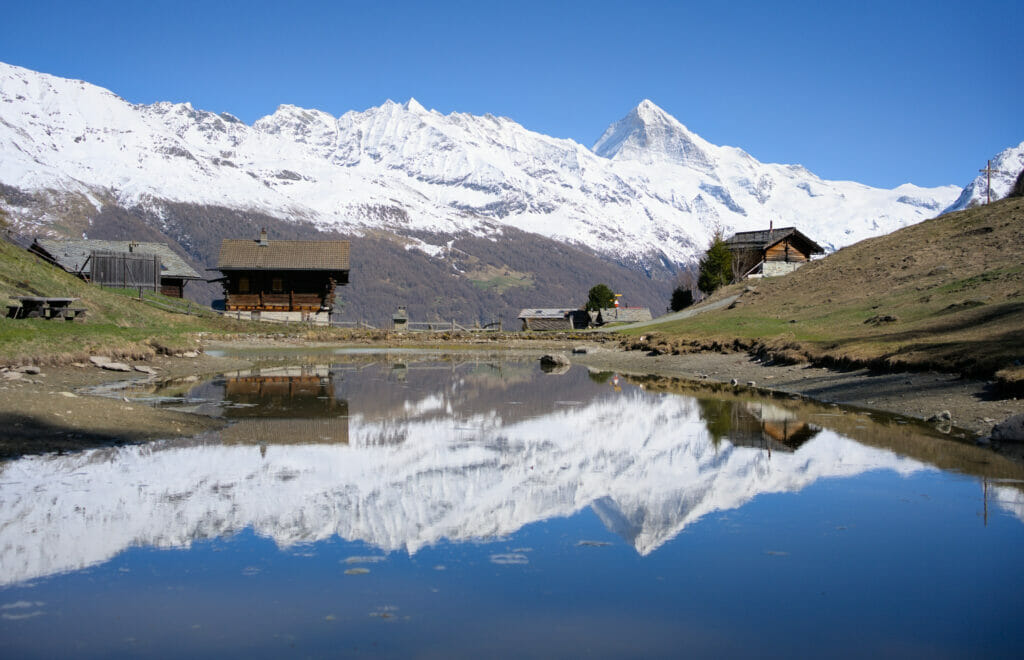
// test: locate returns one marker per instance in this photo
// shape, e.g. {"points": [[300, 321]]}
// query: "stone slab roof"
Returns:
{"points": [[545, 313], [763, 239], [240, 254], [72, 255], [624, 314]]}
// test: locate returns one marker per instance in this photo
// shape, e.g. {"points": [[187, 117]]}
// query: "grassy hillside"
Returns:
{"points": [[947, 294], [116, 322]]}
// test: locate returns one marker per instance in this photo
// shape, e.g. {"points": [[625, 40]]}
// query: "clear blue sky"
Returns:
{"points": [[877, 92]]}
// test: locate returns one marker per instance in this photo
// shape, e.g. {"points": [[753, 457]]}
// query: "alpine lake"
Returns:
{"points": [[420, 504]]}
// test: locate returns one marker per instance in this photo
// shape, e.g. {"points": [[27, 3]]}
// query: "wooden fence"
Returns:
{"points": [[127, 270], [450, 326]]}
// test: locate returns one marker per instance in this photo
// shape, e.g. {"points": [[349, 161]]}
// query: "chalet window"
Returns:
{"points": [[243, 285], [277, 285]]}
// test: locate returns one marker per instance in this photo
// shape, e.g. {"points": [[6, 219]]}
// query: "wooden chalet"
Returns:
{"points": [[770, 252], [116, 263], [284, 280]]}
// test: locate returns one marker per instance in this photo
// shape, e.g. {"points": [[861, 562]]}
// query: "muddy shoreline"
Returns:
{"points": [[46, 412]]}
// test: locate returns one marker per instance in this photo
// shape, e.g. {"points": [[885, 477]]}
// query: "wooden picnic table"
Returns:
{"points": [[40, 307]]}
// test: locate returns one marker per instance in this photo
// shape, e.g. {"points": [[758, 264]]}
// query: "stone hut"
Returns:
{"points": [[561, 318]]}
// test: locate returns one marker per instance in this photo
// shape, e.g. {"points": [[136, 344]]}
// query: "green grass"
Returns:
{"points": [[115, 322], [977, 281]]}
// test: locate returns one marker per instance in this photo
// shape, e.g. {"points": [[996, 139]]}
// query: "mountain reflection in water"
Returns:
{"points": [[423, 456]]}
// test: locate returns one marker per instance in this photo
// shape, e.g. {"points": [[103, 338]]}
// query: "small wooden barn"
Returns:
{"points": [[770, 252], [562, 318], [282, 280], [127, 264]]}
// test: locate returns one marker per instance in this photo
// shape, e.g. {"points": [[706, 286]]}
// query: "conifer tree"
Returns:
{"points": [[715, 266], [600, 297], [682, 298]]}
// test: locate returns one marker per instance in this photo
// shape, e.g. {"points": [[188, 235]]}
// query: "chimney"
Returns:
{"points": [[263, 237]]}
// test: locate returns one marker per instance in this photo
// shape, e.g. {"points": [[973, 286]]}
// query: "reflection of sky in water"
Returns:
{"points": [[509, 523]]}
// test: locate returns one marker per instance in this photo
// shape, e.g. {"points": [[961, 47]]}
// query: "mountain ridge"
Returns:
{"points": [[72, 149], [448, 172]]}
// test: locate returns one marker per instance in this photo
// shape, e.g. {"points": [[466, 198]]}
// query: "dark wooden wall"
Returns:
{"points": [[172, 286], [300, 290]]}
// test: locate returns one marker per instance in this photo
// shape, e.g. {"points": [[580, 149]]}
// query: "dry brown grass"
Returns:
{"points": [[944, 294]]}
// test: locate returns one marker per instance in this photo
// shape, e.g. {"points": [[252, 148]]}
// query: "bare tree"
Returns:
{"points": [[743, 261]]}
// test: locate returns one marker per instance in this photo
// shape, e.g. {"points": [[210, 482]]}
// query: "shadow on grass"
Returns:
{"points": [[23, 435], [926, 348], [967, 319]]}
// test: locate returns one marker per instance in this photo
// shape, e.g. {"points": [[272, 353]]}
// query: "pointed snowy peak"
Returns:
{"points": [[649, 134], [412, 105], [649, 112]]}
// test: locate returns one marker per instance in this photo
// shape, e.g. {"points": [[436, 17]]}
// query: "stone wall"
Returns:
{"points": [[776, 268], [315, 318]]}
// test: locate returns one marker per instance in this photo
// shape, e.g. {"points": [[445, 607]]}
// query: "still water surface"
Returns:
{"points": [[411, 505]]}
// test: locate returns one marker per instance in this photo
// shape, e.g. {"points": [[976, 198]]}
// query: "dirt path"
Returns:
{"points": [[689, 312]]}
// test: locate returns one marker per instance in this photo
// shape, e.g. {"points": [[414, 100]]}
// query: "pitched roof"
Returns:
{"points": [[624, 314], [765, 238], [241, 254], [73, 255]]}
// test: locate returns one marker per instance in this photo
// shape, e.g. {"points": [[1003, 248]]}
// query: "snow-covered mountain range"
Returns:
{"points": [[650, 190]]}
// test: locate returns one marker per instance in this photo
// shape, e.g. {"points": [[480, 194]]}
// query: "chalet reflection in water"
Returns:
{"points": [[766, 426], [291, 405]]}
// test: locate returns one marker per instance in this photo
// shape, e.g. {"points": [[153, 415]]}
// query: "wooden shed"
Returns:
{"points": [[118, 263], [770, 252], [548, 318], [282, 280]]}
